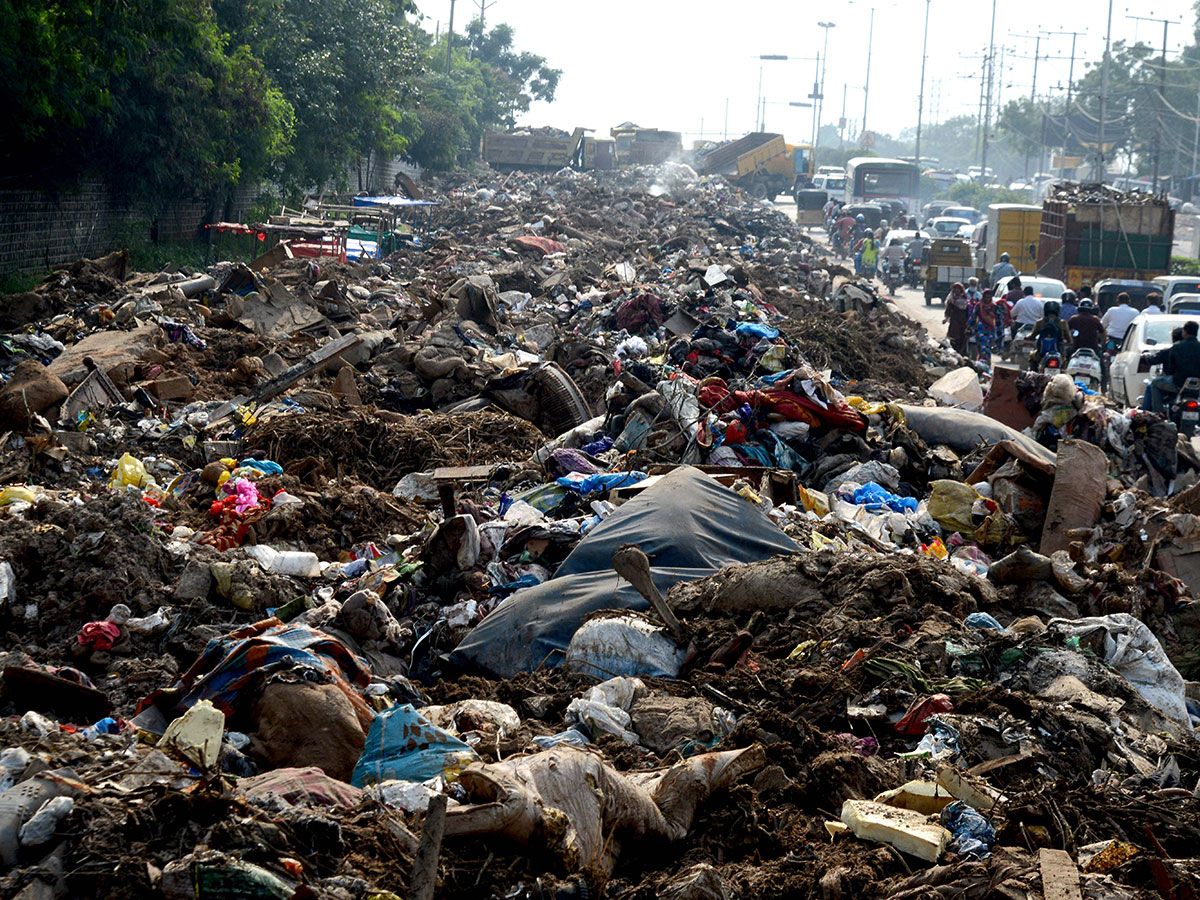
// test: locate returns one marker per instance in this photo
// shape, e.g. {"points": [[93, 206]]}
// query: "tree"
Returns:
{"points": [[489, 85], [348, 68], [151, 97]]}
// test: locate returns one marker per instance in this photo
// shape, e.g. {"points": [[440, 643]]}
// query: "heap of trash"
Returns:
{"points": [[607, 540]]}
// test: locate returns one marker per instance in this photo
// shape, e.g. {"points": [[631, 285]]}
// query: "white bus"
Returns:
{"points": [[871, 178]]}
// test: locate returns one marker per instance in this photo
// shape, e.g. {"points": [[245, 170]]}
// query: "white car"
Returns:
{"points": [[1128, 376], [1045, 288], [946, 226]]}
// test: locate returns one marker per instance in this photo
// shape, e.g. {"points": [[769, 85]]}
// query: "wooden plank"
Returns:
{"points": [[462, 473], [1060, 876]]}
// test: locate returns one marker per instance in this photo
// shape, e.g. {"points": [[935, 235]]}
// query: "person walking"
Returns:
{"points": [[987, 321], [956, 316]]}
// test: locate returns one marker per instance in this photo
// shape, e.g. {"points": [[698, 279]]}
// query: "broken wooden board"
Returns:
{"points": [[287, 378], [1060, 876]]}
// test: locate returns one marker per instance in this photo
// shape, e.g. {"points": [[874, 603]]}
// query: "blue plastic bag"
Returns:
{"points": [[755, 329], [601, 482], [982, 620], [403, 746], [875, 497], [974, 835]]}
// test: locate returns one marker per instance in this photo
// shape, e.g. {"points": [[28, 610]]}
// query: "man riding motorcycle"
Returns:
{"points": [[1183, 362], [1088, 331], [1002, 269], [1050, 335], [843, 231]]}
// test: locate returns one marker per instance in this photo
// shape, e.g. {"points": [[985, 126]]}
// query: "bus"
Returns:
{"points": [[871, 178]]}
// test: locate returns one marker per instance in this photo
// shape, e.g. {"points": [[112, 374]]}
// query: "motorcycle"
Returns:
{"points": [[1085, 369], [893, 276], [1021, 346], [912, 272], [1051, 363], [1184, 407]]}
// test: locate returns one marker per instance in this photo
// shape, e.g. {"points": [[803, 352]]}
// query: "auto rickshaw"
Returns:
{"points": [[810, 207]]}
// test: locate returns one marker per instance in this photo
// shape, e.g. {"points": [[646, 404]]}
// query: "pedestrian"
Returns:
{"points": [[987, 320], [974, 294], [1152, 307], [957, 314]]}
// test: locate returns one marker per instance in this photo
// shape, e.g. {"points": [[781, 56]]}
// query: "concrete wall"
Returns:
{"points": [[39, 231]]}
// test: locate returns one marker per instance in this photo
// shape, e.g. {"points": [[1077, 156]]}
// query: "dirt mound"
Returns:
{"points": [[379, 452]]}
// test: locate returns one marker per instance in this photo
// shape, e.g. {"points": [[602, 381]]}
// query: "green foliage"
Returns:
{"points": [[150, 96], [488, 86], [1185, 265], [969, 193]]}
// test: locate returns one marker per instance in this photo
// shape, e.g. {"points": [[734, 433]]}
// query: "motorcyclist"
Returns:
{"points": [[894, 253], [899, 221], [843, 233], [1003, 269], [1116, 320], [1068, 305], [1159, 358], [1028, 310], [1183, 362], [914, 256], [1087, 331], [867, 258], [861, 228], [1050, 334]]}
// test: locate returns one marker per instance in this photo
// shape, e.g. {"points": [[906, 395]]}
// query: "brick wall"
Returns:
{"points": [[39, 231]]}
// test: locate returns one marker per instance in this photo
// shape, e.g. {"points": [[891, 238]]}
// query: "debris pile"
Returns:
{"points": [[607, 541]]}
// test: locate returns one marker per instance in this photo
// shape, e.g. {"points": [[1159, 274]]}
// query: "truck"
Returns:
{"points": [[532, 148], [637, 146], [761, 163], [1012, 228], [1090, 232], [947, 260]]}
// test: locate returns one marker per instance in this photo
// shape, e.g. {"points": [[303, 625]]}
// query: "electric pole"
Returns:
{"points": [[1162, 89], [484, 6], [987, 119], [921, 95], [1101, 165], [821, 99], [449, 38], [1070, 84]]}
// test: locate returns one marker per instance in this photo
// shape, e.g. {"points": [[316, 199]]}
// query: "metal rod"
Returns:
{"points": [[449, 38], [867, 87]]}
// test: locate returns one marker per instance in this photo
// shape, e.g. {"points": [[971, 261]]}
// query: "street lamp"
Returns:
{"points": [[760, 121], [820, 92], [921, 96]]}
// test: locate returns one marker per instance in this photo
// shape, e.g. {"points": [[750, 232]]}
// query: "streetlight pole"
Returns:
{"points": [[867, 87], [921, 95], [821, 91], [1037, 50], [449, 38], [815, 96]]}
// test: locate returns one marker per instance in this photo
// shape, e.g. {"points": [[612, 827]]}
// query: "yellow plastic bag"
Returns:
{"points": [[813, 501], [950, 505], [935, 549], [17, 493], [130, 472]]}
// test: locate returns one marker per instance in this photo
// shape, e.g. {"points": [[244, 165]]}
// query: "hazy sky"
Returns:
{"points": [[673, 64]]}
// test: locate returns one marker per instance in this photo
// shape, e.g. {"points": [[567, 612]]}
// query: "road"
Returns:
{"points": [[911, 302]]}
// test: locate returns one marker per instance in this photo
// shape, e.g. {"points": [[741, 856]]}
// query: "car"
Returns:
{"points": [[970, 213], [1046, 288], [966, 232], [934, 208], [1170, 285], [832, 182], [1105, 292], [906, 235], [945, 226], [1182, 304], [1128, 376]]}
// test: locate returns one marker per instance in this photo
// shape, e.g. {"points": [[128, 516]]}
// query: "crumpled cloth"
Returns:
{"points": [[99, 635], [636, 313]]}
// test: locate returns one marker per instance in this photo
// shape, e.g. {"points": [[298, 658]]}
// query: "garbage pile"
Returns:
{"points": [[607, 541]]}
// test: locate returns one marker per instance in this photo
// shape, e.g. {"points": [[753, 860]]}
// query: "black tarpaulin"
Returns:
{"points": [[687, 524]]}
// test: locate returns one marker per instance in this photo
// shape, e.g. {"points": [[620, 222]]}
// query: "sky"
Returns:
{"points": [[680, 65]]}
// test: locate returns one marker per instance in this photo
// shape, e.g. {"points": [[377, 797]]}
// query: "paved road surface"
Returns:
{"points": [[911, 302]]}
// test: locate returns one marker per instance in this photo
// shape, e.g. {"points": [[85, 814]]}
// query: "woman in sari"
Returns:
{"points": [[957, 314], [987, 321]]}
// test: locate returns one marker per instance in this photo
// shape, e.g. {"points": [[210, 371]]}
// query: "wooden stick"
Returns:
{"points": [[425, 865]]}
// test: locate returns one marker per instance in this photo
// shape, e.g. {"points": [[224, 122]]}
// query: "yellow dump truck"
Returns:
{"points": [[1012, 228], [531, 148], [761, 163], [637, 146]]}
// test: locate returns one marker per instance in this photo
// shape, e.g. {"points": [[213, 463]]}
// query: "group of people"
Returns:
{"points": [[872, 248], [1064, 327]]}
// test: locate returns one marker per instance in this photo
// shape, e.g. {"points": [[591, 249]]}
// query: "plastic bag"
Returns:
{"points": [[973, 834], [623, 645], [950, 505], [403, 746], [130, 472]]}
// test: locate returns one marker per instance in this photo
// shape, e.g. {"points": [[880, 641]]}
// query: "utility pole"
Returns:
{"points": [[815, 96], [758, 102], [1162, 89], [842, 121], [1070, 85], [1101, 166], [449, 38], [921, 95], [484, 6], [867, 86], [1037, 48], [987, 119], [1195, 148]]}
